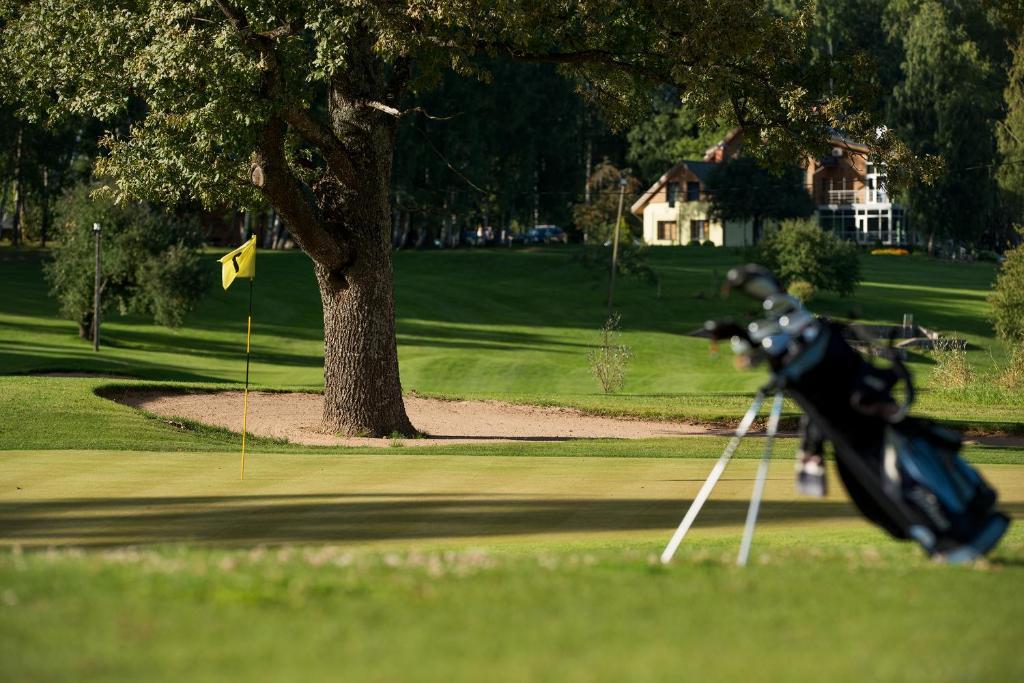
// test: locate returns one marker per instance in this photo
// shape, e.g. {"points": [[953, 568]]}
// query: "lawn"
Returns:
{"points": [[407, 567], [129, 549], [506, 324]]}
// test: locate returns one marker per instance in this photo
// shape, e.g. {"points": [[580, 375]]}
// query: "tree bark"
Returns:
{"points": [[362, 386], [85, 325], [18, 220], [44, 226], [343, 223]]}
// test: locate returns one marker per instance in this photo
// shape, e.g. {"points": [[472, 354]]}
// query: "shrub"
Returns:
{"points": [[708, 243], [151, 262], [800, 250], [1007, 298], [1011, 376], [610, 359], [952, 372], [801, 289], [889, 251], [693, 243]]}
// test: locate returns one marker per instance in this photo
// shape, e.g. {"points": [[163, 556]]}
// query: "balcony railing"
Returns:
{"points": [[841, 196]]}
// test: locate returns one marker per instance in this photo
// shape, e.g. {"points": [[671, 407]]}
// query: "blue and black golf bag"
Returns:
{"points": [[903, 473]]}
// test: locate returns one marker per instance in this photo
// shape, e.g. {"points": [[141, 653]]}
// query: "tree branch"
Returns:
{"points": [[399, 113], [315, 132], [590, 56], [293, 200], [324, 139]]}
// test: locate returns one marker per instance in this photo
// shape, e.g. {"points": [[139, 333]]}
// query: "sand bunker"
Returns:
{"points": [[296, 417]]}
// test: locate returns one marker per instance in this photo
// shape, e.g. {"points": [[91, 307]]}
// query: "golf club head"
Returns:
{"points": [[778, 305], [724, 329], [753, 280]]}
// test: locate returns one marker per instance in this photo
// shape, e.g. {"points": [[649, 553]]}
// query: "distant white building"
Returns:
{"points": [[846, 186], [675, 210]]}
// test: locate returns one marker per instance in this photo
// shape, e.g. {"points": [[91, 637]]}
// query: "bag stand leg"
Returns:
{"points": [[762, 476], [709, 483]]}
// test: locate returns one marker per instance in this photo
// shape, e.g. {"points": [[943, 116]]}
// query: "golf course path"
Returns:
{"points": [[296, 417]]}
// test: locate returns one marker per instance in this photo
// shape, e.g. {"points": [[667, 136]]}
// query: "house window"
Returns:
{"points": [[698, 231], [667, 231], [672, 192], [692, 191]]}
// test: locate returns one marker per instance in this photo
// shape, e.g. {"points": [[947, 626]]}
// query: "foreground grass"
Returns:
{"points": [[401, 567], [588, 614]]}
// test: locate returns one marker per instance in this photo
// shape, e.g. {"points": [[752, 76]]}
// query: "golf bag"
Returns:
{"points": [[903, 473]]}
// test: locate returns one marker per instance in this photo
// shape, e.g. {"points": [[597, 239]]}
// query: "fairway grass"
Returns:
{"points": [[501, 324], [399, 567]]}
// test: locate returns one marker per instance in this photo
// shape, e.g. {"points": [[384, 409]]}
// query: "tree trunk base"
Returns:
{"points": [[362, 388]]}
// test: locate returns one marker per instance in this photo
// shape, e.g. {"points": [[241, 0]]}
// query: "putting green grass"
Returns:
{"points": [[105, 498], [400, 567]]}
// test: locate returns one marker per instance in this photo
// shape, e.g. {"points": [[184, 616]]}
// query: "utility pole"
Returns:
{"points": [[96, 293], [615, 244]]}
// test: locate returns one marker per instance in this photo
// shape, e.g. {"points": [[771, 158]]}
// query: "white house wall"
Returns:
{"points": [[735, 234], [653, 214], [682, 213]]}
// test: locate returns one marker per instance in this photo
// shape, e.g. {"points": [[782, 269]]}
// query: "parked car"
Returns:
{"points": [[546, 234]]}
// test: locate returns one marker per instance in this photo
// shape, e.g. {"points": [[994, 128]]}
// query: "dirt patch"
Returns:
{"points": [[296, 417]]}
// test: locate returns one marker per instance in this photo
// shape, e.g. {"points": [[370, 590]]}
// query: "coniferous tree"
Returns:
{"points": [[1010, 136]]}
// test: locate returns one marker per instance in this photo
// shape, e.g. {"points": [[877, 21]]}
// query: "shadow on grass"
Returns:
{"points": [[338, 518], [28, 362]]}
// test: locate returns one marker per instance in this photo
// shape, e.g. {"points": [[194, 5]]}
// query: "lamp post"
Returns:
{"points": [[96, 293], [615, 245]]}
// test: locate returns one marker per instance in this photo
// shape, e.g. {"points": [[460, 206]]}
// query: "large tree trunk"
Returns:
{"points": [[343, 223], [362, 389]]}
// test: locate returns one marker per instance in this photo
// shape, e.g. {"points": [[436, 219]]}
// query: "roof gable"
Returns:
{"points": [[701, 169]]}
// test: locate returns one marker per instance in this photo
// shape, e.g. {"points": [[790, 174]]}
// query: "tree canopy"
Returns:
{"points": [[296, 105], [741, 189]]}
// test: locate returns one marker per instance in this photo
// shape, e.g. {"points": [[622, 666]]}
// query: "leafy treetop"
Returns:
{"points": [[199, 82]]}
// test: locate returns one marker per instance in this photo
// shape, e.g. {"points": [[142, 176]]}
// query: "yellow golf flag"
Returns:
{"points": [[239, 263]]}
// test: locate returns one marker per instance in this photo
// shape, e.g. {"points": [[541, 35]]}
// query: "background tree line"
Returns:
{"points": [[518, 148]]}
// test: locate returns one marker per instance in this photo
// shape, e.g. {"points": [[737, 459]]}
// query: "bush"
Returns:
{"points": [[693, 243], [952, 372], [609, 360], [151, 262], [800, 250], [1011, 376], [708, 243], [801, 289], [1007, 298]]}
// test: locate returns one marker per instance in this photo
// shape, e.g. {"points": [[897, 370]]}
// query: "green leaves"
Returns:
{"points": [[801, 251], [151, 263], [1007, 298]]}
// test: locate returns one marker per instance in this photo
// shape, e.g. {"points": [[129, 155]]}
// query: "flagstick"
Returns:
{"points": [[245, 402]]}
